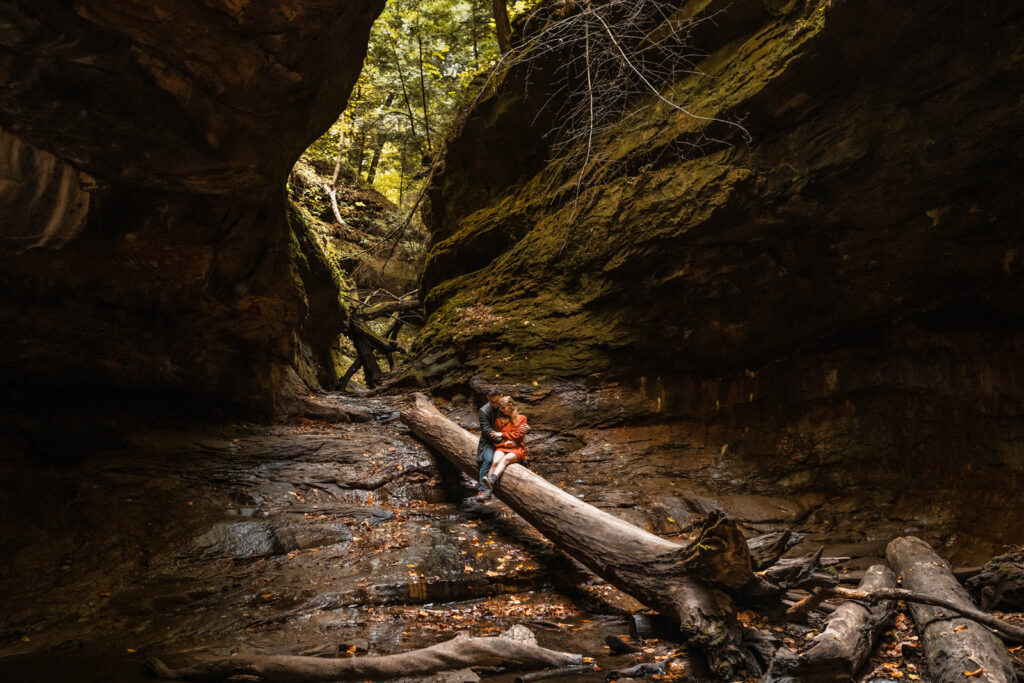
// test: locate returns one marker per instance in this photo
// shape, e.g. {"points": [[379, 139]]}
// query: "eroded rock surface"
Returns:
{"points": [[143, 153], [821, 326], [303, 538]]}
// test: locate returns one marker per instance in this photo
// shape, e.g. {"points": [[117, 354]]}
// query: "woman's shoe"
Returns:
{"points": [[487, 482]]}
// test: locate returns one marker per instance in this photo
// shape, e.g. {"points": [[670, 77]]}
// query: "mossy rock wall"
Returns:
{"points": [[830, 309]]}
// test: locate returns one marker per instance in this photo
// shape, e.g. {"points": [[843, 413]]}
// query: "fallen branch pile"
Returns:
{"points": [[368, 343]]}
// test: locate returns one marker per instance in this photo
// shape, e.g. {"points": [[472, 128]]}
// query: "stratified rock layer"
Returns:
{"points": [[144, 147], [830, 311]]}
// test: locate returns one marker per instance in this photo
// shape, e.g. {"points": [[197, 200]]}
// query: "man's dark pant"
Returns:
{"points": [[484, 458]]}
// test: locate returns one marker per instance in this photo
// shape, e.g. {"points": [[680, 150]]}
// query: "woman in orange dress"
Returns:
{"points": [[513, 428]]}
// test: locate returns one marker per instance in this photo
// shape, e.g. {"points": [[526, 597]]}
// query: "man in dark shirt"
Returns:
{"points": [[488, 438]]}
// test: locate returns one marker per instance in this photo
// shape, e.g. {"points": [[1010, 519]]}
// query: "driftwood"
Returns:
{"points": [[458, 653], [838, 652], [956, 648], [1000, 582], [691, 585]]}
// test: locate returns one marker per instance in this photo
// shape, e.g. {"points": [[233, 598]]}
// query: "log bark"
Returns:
{"points": [[556, 674], [502, 26], [458, 653], [350, 373], [1000, 582], [767, 549], [364, 347], [687, 584], [953, 646], [380, 343], [839, 651], [333, 195], [387, 308]]}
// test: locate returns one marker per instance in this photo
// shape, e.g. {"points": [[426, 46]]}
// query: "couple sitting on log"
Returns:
{"points": [[502, 430]]}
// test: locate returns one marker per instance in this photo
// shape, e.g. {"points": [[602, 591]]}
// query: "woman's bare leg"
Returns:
{"points": [[501, 461]]}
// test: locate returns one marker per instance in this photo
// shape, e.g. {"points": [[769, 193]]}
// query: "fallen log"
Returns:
{"points": [[379, 343], [687, 584], [364, 348], [767, 549], [955, 647], [379, 310], [838, 652], [559, 674], [357, 365], [459, 653], [1000, 582]]}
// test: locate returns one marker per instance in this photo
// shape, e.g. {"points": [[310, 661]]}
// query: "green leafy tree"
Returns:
{"points": [[421, 65]]}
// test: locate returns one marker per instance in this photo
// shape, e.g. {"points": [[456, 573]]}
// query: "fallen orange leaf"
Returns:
{"points": [[980, 671]]}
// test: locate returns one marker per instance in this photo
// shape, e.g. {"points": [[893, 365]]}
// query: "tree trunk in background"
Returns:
{"points": [[502, 27], [401, 178], [360, 151], [371, 173], [472, 29], [423, 92], [405, 89], [341, 150]]}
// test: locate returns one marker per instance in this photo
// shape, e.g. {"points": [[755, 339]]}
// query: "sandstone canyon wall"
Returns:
{"points": [[823, 324], [144, 146]]}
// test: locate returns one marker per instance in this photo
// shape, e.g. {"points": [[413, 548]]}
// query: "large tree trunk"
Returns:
{"points": [[365, 346], [371, 173], [953, 646], [688, 584], [458, 653], [338, 157], [405, 89], [472, 31], [502, 27]]}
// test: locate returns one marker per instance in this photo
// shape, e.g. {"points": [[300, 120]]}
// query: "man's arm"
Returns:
{"points": [[486, 428]]}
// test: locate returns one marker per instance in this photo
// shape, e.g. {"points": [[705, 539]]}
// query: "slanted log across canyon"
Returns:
{"points": [[825, 312], [144, 148]]}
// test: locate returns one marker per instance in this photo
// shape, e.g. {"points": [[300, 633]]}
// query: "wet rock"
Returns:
{"points": [[239, 539], [252, 539]]}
